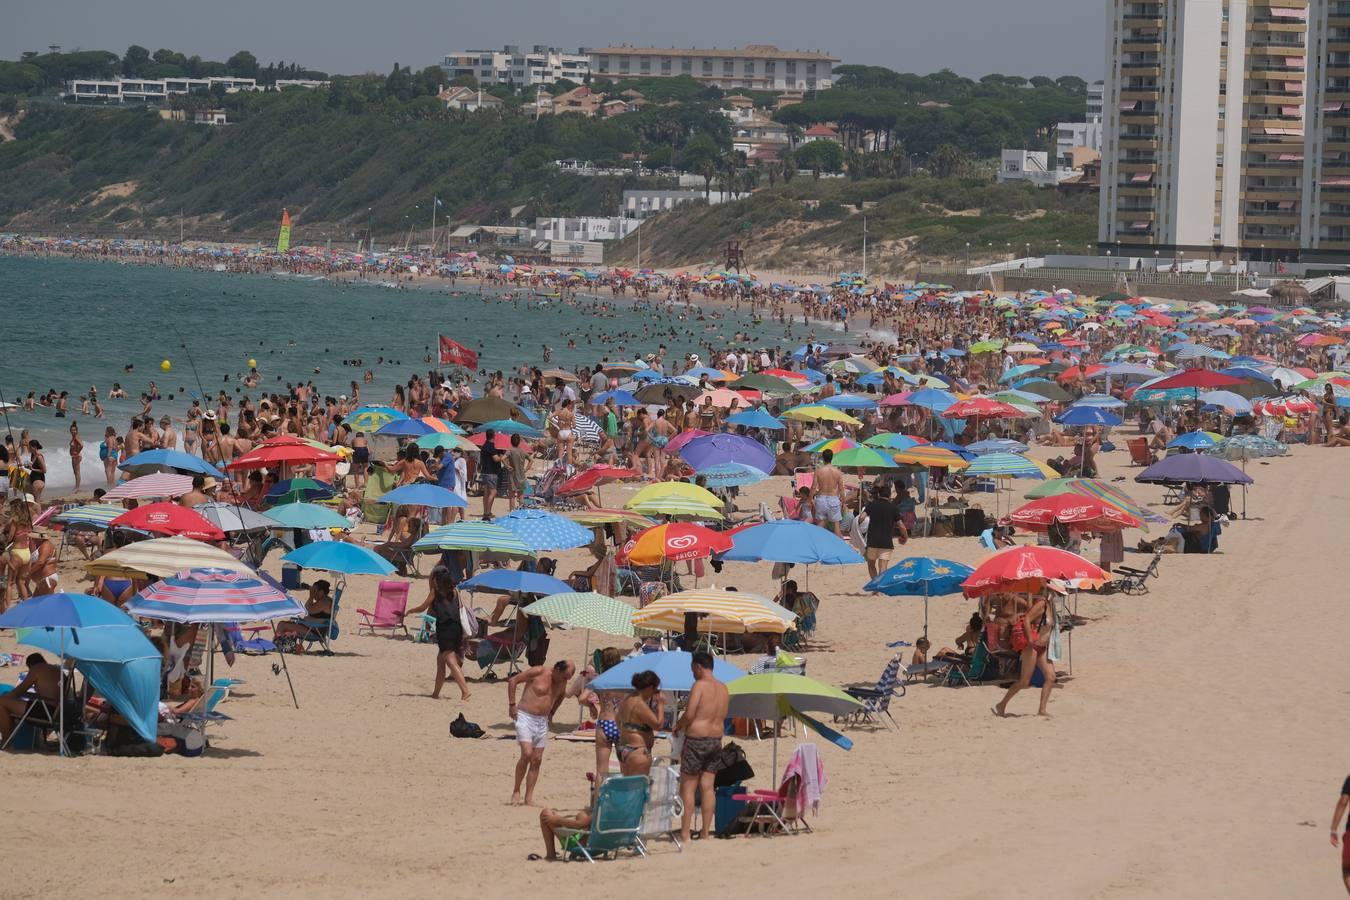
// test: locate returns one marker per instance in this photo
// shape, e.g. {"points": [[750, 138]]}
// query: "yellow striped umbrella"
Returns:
{"points": [[164, 557], [683, 490], [724, 612], [924, 455], [675, 506]]}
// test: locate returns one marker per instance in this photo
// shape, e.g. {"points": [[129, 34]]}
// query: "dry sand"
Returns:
{"points": [[1194, 753]]}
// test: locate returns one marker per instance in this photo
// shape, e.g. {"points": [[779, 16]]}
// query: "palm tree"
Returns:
{"points": [[708, 170]]}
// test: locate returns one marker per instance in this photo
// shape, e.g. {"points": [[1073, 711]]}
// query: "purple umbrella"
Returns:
{"points": [[1196, 468], [717, 449]]}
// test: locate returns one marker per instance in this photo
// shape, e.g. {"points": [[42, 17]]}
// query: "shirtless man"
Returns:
{"points": [[44, 678], [700, 757], [827, 490], [544, 689], [168, 437], [197, 495]]}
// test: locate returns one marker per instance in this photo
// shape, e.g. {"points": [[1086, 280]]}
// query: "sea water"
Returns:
{"points": [[71, 324]]}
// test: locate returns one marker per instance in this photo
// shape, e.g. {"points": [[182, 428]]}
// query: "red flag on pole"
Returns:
{"points": [[456, 354]]}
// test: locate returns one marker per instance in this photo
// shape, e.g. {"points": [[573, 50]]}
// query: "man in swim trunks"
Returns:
{"points": [[700, 757], [827, 489], [544, 689], [45, 680]]}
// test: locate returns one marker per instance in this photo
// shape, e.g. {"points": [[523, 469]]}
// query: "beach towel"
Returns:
{"points": [[805, 764], [1055, 651]]}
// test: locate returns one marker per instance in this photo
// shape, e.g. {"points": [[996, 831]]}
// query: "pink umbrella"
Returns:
{"points": [[684, 437], [158, 484]]}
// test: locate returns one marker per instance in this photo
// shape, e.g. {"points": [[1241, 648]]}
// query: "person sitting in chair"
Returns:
{"points": [[399, 544], [318, 608], [45, 680]]}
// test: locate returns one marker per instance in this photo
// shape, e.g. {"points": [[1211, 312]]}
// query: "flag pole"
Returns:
{"points": [[434, 201]]}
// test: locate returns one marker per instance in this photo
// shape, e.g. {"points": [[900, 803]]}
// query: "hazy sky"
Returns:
{"points": [[973, 37]]}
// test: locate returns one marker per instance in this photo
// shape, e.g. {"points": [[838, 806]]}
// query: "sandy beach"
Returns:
{"points": [[1193, 753]]}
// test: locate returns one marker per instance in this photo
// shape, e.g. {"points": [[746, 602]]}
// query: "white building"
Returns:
{"points": [[584, 228], [1227, 129], [1095, 92], [1077, 134], [760, 67], [1030, 165], [540, 65], [120, 90]]}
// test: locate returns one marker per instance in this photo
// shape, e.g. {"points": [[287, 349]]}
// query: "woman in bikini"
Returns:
{"points": [[638, 722], [108, 452], [16, 553], [660, 434], [1030, 634], [607, 720], [76, 450]]}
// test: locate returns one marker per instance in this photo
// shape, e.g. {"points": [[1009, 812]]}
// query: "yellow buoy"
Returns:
{"points": [[253, 364], [166, 365]]}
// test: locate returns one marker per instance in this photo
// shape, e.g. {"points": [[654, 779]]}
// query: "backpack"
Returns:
{"points": [[463, 728]]}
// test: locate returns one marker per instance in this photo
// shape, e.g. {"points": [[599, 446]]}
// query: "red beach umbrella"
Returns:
{"points": [[169, 519], [1026, 569]]}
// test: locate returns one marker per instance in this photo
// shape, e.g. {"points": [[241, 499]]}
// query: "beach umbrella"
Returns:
{"points": [[595, 476], [768, 384], [296, 490], [429, 495], [506, 581], [655, 392], [930, 456], [673, 541], [849, 402], [1026, 569], [475, 537], [162, 557], [1088, 415], [675, 444], [790, 541], [306, 516], [1194, 440], [266, 456], [91, 515], [676, 508], [620, 398], [169, 519], [1101, 490], [980, 408], [1008, 465], [920, 576], [834, 445], [819, 413], [606, 516], [448, 440], [404, 428], [232, 518], [1249, 446], [499, 441], [92, 631], [1194, 379], [588, 610], [1083, 513], [862, 459], [543, 530], [682, 489], [158, 484], [888, 441], [168, 460], [1192, 468], [716, 449], [997, 445], [213, 596], [673, 667], [777, 696], [932, 399], [726, 475], [756, 418], [340, 558], [509, 427], [371, 418], [719, 612], [587, 429], [1235, 403], [1047, 389]]}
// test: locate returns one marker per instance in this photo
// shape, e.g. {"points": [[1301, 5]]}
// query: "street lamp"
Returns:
{"points": [[1028, 246], [967, 254], [1155, 260]]}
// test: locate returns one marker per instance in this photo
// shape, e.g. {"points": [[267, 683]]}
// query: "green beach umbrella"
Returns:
{"points": [[589, 610], [778, 696], [677, 507], [447, 440], [475, 537], [768, 384], [861, 458], [307, 515]]}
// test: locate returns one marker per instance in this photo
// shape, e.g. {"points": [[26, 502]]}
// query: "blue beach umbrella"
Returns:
{"points": [[504, 581], [339, 557], [299, 489], [932, 399], [429, 495], [1088, 415], [167, 460], [889, 441], [404, 427], [510, 426], [620, 398], [758, 417], [306, 516], [369, 418], [715, 449], [997, 445], [214, 596], [475, 537], [725, 475], [921, 576], [1192, 440], [545, 530], [790, 541], [671, 666]]}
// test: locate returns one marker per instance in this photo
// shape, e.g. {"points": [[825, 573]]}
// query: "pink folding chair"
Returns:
{"points": [[391, 602]]}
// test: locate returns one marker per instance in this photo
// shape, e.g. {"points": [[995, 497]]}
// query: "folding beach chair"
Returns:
{"points": [[391, 602], [777, 811], [252, 645], [876, 699], [616, 823], [1140, 455], [323, 631], [1135, 581], [661, 815]]}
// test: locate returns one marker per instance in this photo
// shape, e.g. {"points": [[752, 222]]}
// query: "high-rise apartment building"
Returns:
{"points": [[1227, 129], [509, 65]]}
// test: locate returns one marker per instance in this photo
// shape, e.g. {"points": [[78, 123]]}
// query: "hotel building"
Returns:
{"points": [[758, 67]]}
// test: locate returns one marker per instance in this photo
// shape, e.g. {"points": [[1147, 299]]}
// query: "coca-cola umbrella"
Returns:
{"points": [[1027, 569], [282, 452], [169, 519], [1081, 513]]}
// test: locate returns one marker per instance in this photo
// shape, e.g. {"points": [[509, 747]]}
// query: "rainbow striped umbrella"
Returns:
{"points": [[91, 515], [213, 595], [1094, 487], [834, 445], [928, 455]]}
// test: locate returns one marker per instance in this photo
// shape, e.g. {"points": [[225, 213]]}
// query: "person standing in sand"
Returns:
{"points": [[1337, 840], [544, 690], [1030, 634], [700, 756], [827, 490]]}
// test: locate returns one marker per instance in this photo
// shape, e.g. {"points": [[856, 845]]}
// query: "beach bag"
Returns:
{"points": [[463, 728], [103, 450], [468, 621], [733, 767]]}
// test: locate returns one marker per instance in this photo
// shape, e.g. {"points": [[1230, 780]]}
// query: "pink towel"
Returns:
{"points": [[805, 764]]}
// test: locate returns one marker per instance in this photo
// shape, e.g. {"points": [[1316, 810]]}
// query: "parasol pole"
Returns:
{"points": [[925, 609], [289, 683], [61, 713]]}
